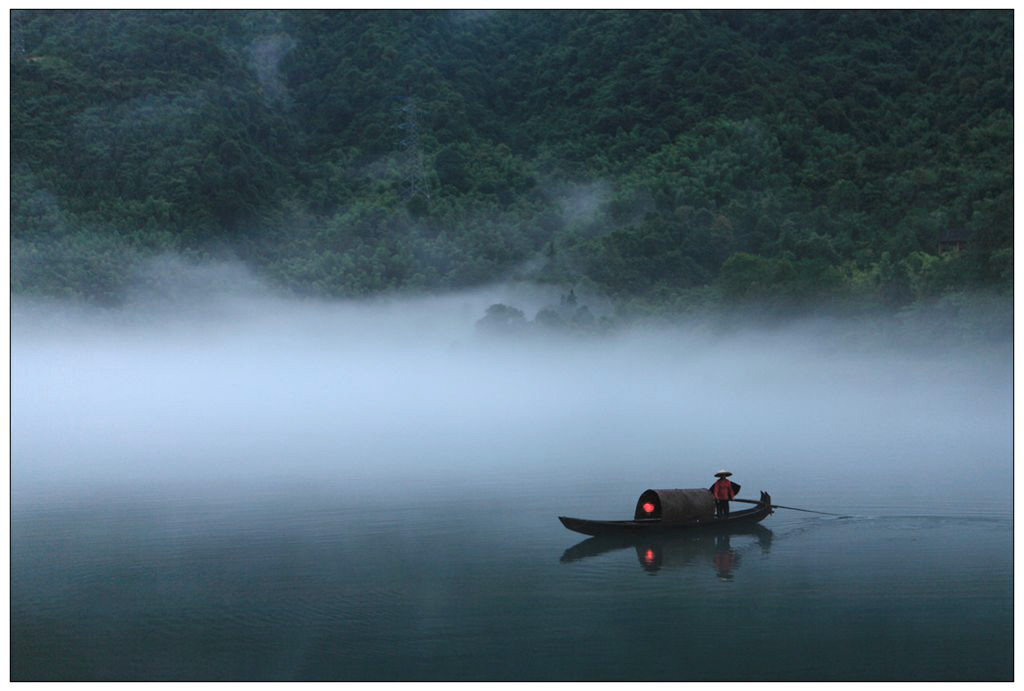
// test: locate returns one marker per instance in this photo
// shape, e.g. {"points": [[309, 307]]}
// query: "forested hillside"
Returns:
{"points": [[659, 158]]}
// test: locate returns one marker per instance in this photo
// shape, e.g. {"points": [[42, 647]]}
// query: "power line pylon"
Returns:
{"points": [[414, 177]]}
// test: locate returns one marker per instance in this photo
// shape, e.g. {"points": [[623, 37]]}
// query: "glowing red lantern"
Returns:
{"points": [[649, 507], [649, 556]]}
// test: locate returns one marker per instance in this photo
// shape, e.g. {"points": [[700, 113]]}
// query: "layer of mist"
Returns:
{"points": [[207, 380]]}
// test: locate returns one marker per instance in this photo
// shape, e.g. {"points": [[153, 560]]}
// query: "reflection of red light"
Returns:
{"points": [[649, 557], [649, 507]]}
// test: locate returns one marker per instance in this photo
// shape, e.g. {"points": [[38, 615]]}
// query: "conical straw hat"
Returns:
{"points": [[723, 473]]}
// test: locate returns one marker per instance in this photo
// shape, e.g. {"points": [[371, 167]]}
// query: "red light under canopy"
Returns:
{"points": [[649, 507]]}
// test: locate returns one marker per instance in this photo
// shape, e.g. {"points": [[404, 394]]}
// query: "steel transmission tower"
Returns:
{"points": [[414, 177]]}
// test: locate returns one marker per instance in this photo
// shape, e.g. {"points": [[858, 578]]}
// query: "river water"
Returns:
{"points": [[309, 583], [305, 495]]}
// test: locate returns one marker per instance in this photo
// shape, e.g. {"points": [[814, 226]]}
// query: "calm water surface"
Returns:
{"points": [[258, 488], [482, 582]]}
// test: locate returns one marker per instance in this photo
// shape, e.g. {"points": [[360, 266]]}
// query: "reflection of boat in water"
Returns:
{"points": [[673, 511], [665, 551]]}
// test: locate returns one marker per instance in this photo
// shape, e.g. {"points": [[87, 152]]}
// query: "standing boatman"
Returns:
{"points": [[723, 490]]}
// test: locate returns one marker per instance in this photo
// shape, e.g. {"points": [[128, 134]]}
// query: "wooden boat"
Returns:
{"points": [[670, 511]]}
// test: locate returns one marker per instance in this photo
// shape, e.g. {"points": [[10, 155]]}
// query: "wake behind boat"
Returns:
{"points": [[673, 510]]}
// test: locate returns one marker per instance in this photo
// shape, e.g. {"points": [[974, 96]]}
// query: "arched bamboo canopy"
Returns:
{"points": [[676, 505]]}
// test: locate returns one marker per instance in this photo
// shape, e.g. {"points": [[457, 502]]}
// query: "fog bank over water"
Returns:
{"points": [[207, 379]]}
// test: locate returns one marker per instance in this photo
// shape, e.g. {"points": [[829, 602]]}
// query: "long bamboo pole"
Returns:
{"points": [[791, 508]]}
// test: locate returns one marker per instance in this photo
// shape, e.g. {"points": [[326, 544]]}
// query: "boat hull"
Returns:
{"points": [[642, 527]]}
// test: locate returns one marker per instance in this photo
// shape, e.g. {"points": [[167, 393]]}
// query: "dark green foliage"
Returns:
{"points": [[566, 320], [451, 169], [502, 320], [661, 157]]}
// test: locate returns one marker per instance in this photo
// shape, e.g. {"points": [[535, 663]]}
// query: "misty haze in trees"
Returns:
{"points": [[206, 379], [667, 161]]}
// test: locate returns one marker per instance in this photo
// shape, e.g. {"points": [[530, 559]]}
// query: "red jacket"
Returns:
{"points": [[724, 488]]}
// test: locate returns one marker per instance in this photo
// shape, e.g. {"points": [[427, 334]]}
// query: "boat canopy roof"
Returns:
{"points": [[675, 505]]}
